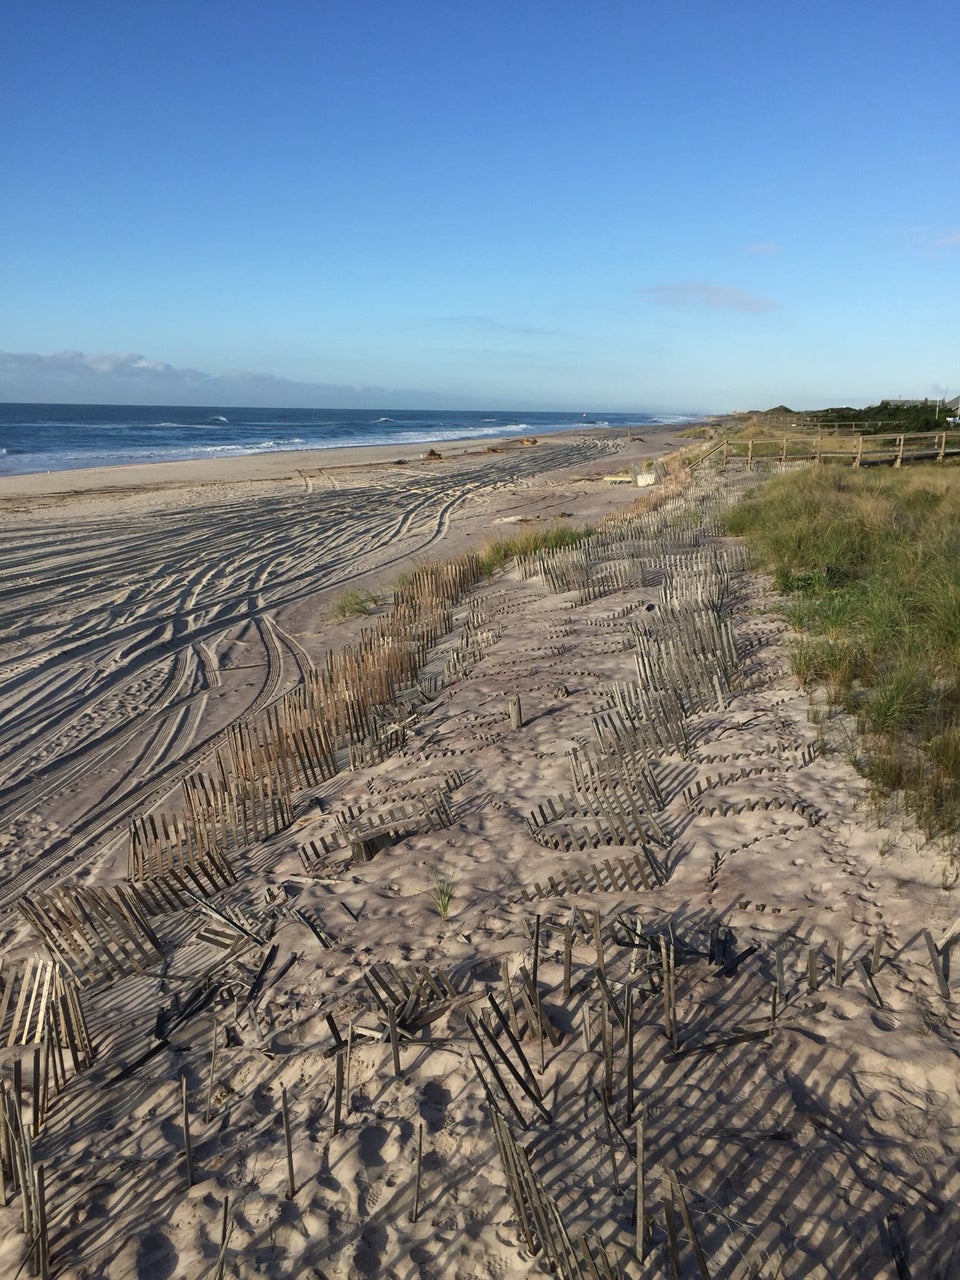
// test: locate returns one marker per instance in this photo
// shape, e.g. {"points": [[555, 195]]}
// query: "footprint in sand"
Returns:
{"points": [[156, 1257], [434, 1100], [371, 1142], [370, 1251]]}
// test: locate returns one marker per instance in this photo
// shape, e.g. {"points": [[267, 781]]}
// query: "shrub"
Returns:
{"points": [[354, 603]]}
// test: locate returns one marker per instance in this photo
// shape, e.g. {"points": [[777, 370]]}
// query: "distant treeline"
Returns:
{"points": [[875, 419]]}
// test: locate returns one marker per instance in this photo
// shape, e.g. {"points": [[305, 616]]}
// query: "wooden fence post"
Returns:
{"points": [[187, 1147]]}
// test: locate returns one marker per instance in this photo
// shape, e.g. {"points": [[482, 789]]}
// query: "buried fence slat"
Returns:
{"points": [[514, 1042], [539, 1013], [338, 1093], [677, 1189], [394, 1041], [639, 1204], [285, 1113], [869, 985], [629, 1051], [187, 1147], [416, 1191], [598, 942], [897, 1249], [673, 1243], [500, 1081], [507, 1149], [508, 995], [224, 1237], [936, 965], [532, 1092], [812, 981], [609, 1000]]}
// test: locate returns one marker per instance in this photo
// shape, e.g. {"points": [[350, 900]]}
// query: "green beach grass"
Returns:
{"points": [[870, 565], [497, 553]]}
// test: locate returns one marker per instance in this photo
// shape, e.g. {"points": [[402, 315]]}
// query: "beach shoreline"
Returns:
{"points": [[290, 464]]}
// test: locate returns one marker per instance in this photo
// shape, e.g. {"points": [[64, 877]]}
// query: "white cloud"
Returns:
{"points": [[129, 378], [696, 293]]}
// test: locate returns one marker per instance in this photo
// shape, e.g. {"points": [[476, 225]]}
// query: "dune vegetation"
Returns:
{"points": [[869, 563]]}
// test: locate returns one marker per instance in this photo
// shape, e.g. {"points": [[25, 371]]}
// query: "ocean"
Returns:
{"points": [[64, 437]]}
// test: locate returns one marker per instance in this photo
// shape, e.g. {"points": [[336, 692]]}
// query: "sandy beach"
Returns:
{"points": [[506, 973]]}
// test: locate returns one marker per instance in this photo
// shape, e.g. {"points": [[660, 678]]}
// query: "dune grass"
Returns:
{"points": [[498, 552], [870, 565], [354, 603]]}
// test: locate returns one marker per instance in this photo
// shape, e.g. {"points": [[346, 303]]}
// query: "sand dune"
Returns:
{"points": [[674, 916]]}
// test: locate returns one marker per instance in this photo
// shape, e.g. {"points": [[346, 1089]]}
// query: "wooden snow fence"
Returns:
{"points": [[594, 568], [691, 653], [344, 714], [181, 847], [225, 817], [94, 934], [811, 815], [628, 769], [443, 583], [38, 1004], [539, 1220], [642, 721], [471, 646], [414, 998], [642, 871], [592, 819], [22, 1175], [365, 829], [283, 743], [41, 1010]]}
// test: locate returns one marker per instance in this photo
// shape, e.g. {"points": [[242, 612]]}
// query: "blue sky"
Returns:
{"points": [[593, 205]]}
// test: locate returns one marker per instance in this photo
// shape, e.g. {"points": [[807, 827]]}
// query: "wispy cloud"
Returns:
{"points": [[696, 293], [931, 239], [488, 324], [763, 247], [127, 378]]}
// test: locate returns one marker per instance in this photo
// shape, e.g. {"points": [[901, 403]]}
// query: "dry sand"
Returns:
{"points": [[814, 1137]]}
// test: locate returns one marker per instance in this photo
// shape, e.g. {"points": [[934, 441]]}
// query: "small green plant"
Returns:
{"points": [[442, 893], [354, 603]]}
